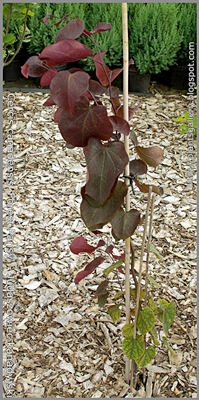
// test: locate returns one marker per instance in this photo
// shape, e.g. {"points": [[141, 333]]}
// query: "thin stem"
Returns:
{"points": [[141, 263], [21, 40], [126, 145], [148, 248]]}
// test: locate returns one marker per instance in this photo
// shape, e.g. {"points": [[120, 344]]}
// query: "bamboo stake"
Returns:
{"points": [[126, 144]]}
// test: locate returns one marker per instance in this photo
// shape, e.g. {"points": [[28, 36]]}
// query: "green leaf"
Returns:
{"points": [[154, 335], [119, 294], [153, 282], [133, 348], [163, 304], [128, 330], [9, 38], [153, 305], [114, 312], [117, 264], [146, 320], [155, 252], [147, 357], [134, 294], [102, 299], [169, 315], [166, 343]]}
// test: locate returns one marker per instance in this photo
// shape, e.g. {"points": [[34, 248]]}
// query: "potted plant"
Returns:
{"points": [[154, 40], [15, 33]]}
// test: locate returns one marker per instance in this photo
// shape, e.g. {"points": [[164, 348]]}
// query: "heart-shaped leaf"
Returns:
{"points": [[114, 312], [85, 122], [125, 223], [66, 88], [105, 162], [133, 348], [146, 358], [146, 320], [64, 51], [150, 155], [96, 218]]}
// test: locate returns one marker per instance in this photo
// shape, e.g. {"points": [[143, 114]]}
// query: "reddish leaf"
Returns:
{"points": [[62, 19], [80, 245], [47, 77], [120, 125], [89, 269], [105, 162], [85, 122], [103, 73], [96, 88], [145, 188], [71, 31], [137, 167], [57, 114], [110, 249], [124, 223], [33, 67], [150, 155], [96, 218], [102, 288], [66, 50], [101, 27], [66, 88]]}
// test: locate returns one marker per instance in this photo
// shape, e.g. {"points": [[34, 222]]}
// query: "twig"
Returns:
{"points": [[126, 145], [148, 247]]}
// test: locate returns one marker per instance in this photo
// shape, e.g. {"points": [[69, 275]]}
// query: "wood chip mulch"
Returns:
{"points": [[65, 345]]}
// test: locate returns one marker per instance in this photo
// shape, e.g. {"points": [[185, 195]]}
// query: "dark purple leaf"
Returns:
{"points": [[47, 77], [89, 269], [101, 27], [97, 217], [72, 30], [124, 223], [103, 73], [85, 122], [66, 88], [120, 125], [137, 167], [33, 67], [64, 51], [102, 288], [105, 162]]}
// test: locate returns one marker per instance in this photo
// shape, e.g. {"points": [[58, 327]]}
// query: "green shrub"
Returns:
{"points": [[110, 40], [154, 38], [187, 27], [44, 34]]}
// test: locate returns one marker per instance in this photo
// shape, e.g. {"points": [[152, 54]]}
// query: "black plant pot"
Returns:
{"points": [[138, 83], [12, 72], [176, 77]]}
